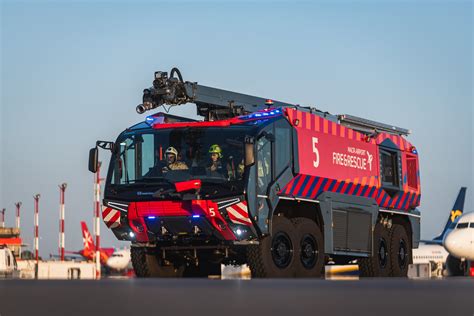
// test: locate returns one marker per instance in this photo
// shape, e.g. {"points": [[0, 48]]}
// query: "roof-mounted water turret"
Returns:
{"points": [[212, 103]]}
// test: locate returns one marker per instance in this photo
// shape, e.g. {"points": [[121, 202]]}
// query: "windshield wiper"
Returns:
{"points": [[161, 193], [137, 183], [152, 180]]}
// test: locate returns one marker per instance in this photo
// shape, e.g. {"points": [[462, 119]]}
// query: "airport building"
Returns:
{"points": [[10, 237]]}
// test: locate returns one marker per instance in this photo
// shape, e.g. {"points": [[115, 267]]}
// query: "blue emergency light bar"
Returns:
{"points": [[152, 120], [262, 114]]}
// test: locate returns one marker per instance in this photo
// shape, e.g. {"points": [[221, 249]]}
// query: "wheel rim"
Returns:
{"points": [[309, 251], [282, 250], [383, 253], [402, 254]]}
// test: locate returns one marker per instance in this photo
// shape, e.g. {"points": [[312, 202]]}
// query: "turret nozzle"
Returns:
{"points": [[145, 106], [140, 109]]}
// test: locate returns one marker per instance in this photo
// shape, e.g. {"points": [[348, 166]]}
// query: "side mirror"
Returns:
{"points": [[93, 159]]}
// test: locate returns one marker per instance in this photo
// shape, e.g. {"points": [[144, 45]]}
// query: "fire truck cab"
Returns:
{"points": [[280, 187]]}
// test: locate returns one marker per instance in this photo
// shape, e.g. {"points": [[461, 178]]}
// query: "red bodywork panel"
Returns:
{"points": [[220, 123], [335, 158], [138, 211], [188, 185]]}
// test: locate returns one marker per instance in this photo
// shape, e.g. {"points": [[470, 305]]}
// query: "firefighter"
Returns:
{"points": [[172, 162], [217, 164]]}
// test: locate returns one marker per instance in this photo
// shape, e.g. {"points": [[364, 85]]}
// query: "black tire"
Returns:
{"points": [[274, 256], [454, 266], [148, 265], [309, 250], [379, 264], [400, 251]]}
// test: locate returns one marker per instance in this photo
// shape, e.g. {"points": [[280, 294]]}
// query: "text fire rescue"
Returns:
{"points": [[356, 160]]}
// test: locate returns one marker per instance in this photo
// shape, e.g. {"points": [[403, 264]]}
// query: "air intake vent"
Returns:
{"points": [[351, 231]]}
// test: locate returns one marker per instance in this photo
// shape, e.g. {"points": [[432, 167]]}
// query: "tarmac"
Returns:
{"points": [[290, 297]]}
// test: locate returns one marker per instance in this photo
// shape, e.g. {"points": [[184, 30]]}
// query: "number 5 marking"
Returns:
{"points": [[212, 213], [316, 152]]}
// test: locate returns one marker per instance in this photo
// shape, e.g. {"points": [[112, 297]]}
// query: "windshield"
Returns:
{"points": [[156, 159]]}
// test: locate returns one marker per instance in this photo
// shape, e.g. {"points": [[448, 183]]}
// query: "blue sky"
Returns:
{"points": [[73, 73]]}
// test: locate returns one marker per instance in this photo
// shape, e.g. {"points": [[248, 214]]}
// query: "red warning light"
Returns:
{"points": [[269, 102]]}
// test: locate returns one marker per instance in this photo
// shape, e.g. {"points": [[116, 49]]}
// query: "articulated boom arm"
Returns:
{"points": [[212, 103], [216, 104]]}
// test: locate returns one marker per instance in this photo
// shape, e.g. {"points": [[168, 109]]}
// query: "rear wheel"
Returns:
{"points": [[147, 265], [378, 265], [400, 251], [309, 248], [274, 256]]}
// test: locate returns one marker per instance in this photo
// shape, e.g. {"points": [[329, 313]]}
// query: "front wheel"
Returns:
{"points": [[147, 265], [274, 256]]}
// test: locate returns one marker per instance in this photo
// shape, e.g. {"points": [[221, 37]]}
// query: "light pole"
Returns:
{"points": [[62, 190], [17, 222], [97, 221], [36, 197]]}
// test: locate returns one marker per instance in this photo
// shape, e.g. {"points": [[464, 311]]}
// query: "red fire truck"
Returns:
{"points": [[281, 187]]}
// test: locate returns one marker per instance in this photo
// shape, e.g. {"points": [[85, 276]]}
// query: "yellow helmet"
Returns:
{"points": [[215, 149], [171, 150]]}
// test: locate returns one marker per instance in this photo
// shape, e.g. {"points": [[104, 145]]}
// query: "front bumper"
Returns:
{"points": [[181, 223]]}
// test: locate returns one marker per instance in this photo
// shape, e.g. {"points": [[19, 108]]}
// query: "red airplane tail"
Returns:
{"points": [[89, 246]]}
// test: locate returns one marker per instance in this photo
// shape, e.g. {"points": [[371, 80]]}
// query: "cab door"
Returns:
{"points": [[271, 171], [260, 178], [264, 178]]}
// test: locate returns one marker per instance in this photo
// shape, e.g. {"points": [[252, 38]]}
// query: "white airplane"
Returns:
{"points": [[119, 260], [426, 253], [432, 251], [460, 241]]}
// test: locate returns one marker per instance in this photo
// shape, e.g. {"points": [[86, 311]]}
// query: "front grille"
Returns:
{"points": [[180, 227]]}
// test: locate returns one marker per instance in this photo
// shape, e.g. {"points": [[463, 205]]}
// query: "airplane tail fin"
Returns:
{"points": [[457, 211], [87, 238]]}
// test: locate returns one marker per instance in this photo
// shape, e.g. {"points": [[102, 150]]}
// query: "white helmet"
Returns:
{"points": [[171, 150]]}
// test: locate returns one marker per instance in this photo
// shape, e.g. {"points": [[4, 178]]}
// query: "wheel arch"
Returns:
{"points": [[409, 221], [298, 208]]}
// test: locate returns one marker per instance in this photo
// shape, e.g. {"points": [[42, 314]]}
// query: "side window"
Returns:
{"points": [[282, 146], [389, 169], [264, 165], [148, 153], [129, 160]]}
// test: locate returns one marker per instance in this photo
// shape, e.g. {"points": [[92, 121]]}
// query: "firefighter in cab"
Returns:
{"points": [[172, 162], [217, 167]]}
